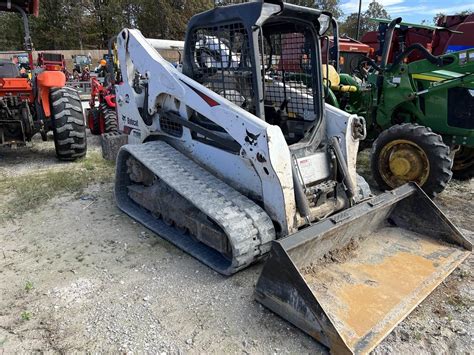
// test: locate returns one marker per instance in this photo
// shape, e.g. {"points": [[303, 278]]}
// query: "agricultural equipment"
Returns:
{"points": [[51, 59], [451, 34], [101, 118], [419, 114], [350, 53], [81, 61], [229, 159], [39, 104]]}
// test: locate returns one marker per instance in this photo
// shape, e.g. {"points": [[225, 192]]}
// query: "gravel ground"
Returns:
{"points": [[77, 274]]}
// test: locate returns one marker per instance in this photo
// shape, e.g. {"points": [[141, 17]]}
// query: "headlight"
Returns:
{"points": [[324, 22]]}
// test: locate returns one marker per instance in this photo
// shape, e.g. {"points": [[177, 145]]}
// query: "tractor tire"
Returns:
{"points": [[463, 166], [93, 115], [110, 118], [68, 124], [409, 152]]}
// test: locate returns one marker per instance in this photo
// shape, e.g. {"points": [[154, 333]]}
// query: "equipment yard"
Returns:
{"points": [[220, 200], [77, 274]]}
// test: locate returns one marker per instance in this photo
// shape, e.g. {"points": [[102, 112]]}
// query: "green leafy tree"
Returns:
{"points": [[333, 6], [375, 10], [349, 26], [169, 18], [12, 32]]}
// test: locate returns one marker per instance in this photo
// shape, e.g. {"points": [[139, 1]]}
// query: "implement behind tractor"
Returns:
{"points": [[237, 155]]}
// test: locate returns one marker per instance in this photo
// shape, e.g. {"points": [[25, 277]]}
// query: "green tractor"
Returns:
{"points": [[420, 114]]}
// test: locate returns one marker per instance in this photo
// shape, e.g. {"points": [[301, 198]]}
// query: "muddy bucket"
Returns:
{"points": [[349, 280]]}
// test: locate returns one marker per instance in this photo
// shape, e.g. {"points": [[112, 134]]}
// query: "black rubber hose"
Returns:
{"points": [[300, 197], [351, 188], [417, 47]]}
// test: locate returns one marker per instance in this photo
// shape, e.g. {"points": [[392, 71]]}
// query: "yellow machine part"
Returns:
{"points": [[402, 161], [330, 74]]}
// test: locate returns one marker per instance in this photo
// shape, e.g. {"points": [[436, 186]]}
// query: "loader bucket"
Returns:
{"points": [[350, 279]]}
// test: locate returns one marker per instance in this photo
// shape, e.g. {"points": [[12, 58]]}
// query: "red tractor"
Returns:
{"points": [[53, 61], [103, 118], [350, 52], [41, 103]]}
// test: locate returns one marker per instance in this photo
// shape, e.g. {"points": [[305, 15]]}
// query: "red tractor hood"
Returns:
{"points": [[30, 6]]}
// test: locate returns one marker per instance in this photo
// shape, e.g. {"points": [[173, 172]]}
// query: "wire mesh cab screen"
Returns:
{"points": [[276, 83], [222, 63], [288, 72]]}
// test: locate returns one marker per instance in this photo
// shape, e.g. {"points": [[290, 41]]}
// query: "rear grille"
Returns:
{"points": [[171, 128]]}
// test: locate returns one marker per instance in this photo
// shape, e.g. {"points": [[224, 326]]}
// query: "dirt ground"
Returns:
{"points": [[77, 274]]}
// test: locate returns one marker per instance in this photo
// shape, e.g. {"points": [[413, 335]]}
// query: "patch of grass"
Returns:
{"points": [[459, 302], [464, 274], [3, 341], [25, 315], [31, 191], [29, 286], [418, 336]]}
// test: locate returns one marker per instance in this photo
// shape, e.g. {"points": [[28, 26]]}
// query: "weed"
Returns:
{"points": [[459, 302], [29, 286], [25, 315], [417, 335], [3, 341]]}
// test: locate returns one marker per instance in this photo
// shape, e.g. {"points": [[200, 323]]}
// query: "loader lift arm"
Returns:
{"points": [[163, 80]]}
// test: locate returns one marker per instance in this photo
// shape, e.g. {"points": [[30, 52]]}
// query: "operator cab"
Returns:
{"points": [[263, 57]]}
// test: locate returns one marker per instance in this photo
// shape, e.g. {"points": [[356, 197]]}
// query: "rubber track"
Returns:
{"points": [[248, 227]]}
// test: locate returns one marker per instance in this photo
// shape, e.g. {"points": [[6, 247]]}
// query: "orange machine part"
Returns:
{"points": [[16, 87], [47, 80]]}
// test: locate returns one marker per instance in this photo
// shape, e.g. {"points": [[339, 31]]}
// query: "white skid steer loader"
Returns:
{"points": [[237, 155]]}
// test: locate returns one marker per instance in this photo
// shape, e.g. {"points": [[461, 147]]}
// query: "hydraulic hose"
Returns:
{"points": [[351, 188], [301, 200], [416, 47]]}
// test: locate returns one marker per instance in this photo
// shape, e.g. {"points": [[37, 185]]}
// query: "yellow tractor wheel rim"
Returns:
{"points": [[402, 161]]}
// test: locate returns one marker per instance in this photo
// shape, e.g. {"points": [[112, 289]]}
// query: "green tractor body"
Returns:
{"points": [[436, 93]]}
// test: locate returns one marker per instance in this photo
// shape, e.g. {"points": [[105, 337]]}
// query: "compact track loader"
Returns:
{"points": [[238, 155]]}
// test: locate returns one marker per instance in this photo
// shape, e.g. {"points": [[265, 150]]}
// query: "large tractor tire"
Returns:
{"points": [[68, 124], [110, 118], [93, 121], [463, 166], [409, 152]]}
